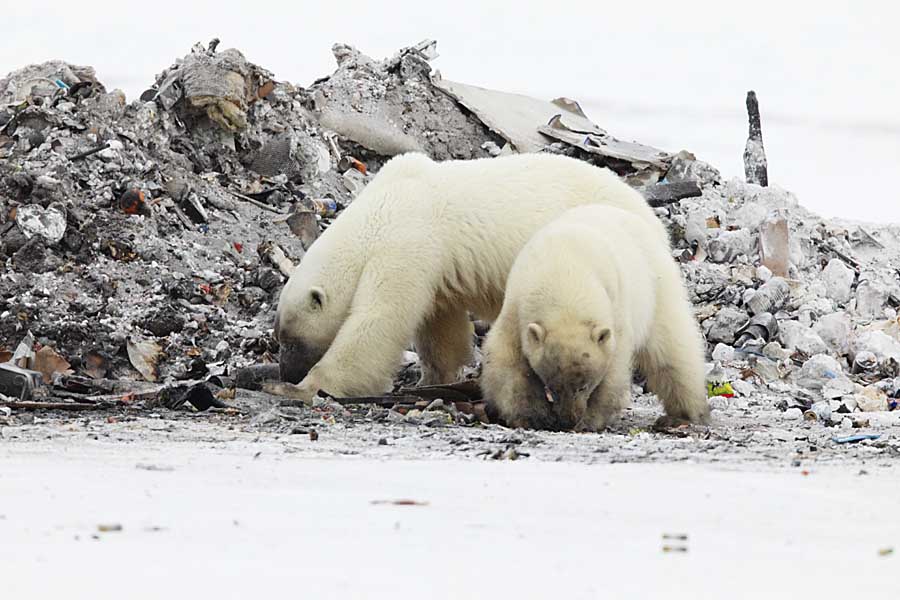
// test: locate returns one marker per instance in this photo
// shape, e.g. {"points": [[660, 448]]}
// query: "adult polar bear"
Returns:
{"points": [[424, 244]]}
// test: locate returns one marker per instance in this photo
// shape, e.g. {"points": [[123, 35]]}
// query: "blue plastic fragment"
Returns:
{"points": [[850, 439], [61, 84]]}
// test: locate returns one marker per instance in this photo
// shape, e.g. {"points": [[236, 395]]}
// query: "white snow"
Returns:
{"points": [[235, 526]]}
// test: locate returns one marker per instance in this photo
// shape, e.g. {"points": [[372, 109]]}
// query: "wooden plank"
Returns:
{"points": [[667, 193]]}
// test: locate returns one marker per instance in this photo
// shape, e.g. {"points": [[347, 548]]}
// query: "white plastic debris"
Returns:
{"points": [[793, 414], [797, 336], [838, 279], [877, 343], [774, 244], [872, 400], [834, 330], [870, 299], [819, 370], [49, 223]]}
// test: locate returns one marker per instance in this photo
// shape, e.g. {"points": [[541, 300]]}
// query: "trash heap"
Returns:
{"points": [[149, 240], [794, 306]]}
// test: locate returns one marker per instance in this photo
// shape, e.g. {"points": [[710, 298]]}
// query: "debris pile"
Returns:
{"points": [[149, 240]]}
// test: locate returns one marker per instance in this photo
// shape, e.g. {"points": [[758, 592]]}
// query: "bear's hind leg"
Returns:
{"points": [[444, 345], [672, 361]]}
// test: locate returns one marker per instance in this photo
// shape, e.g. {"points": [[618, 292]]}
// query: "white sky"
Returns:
{"points": [[668, 73]]}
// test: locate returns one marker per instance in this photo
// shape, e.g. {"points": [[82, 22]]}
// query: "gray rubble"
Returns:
{"points": [[148, 240]]}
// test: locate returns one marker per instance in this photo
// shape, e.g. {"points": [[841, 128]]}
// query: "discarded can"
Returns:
{"points": [[864, 361], [18, 383], [770, 296], [348, 162], [324, 207], [763, 327], [819, 411]]}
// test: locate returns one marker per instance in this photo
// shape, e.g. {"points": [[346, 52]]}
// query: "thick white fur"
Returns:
{"points": [[595, 266], [424, 243]]}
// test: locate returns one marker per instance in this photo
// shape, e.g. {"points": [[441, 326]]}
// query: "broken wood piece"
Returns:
{"points": [[603, 144], [387, 400], [255, 202], [277, 257], [826, 247], [460, 391], [756, 168], [33, 405], [667, 193]]}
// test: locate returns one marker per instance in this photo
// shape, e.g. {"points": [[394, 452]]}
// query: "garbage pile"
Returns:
{"points": [[149, 240], [793, 305]]}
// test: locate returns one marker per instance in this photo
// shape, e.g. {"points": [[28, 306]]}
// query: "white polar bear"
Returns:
{"points": [[423, 244], [589, 293]]}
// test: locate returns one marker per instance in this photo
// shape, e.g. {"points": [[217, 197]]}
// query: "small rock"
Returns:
{"points": [[718, 403], [723, 353], [743, 387]]}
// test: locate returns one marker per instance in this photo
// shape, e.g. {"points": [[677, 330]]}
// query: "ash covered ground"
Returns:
{"points": [[145, 244]]}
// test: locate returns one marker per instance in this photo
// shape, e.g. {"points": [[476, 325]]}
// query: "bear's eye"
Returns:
{"points": [[603, 336]]}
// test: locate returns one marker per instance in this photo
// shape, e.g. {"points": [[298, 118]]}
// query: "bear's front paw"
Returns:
{"points": [[693, 412], [587, 424], [671, 423], [299, 391]]}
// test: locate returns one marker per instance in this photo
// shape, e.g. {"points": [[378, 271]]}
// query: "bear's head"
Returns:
{"points": [[570, 359], [311, 309]]}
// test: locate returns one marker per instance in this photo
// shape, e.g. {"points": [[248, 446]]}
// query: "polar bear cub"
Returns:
{"points": [[590, 294]]}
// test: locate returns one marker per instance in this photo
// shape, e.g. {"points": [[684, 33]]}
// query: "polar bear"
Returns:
{"points": [[592, 291], [424, 244]]}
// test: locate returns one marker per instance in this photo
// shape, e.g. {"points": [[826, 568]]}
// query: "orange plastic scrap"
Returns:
{"points": [[358, 165], [348, 162]]}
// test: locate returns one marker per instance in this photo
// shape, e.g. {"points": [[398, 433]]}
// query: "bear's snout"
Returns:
{"points": [[296, 359]]}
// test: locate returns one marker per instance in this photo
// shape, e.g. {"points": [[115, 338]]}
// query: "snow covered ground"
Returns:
{"points": [[244, 519]]}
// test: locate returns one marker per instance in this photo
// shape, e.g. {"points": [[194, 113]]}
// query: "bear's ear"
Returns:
{"points": [[600, 334], [316, 298], [536, 333]]}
